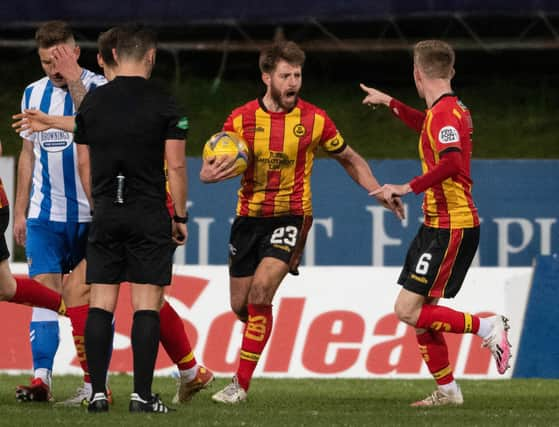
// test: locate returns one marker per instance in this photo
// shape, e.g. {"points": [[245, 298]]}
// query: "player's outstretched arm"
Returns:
{"points": [[358, 169], [37, 121], [374, 96], [410, 116]]}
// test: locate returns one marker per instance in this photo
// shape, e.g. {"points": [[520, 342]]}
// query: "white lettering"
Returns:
{"points": [[379, 238], [545, 234], [504, 246], [203, 239], [310, 246]]}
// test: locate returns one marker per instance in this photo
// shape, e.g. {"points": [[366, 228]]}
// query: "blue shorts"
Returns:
{"points": [[54, 247]]}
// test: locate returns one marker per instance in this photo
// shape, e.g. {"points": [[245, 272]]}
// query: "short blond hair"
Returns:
{"points": [[435, 58]]}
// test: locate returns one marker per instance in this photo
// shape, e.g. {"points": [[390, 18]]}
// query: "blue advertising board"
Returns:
{"points": [[518, 202]]}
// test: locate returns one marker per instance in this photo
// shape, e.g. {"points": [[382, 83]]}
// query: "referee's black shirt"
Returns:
{"points": [[125, 123]]}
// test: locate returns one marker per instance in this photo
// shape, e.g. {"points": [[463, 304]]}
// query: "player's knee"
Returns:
{"points": [[7, 287], [260, 295], [404, 313]]}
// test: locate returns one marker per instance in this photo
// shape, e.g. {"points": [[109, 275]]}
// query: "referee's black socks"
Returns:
{"points": [[145, 343], [98, 337]]}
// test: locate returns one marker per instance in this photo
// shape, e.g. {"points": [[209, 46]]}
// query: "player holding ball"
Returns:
{"points": [[274, 211]]}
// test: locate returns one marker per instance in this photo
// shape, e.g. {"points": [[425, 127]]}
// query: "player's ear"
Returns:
{"points": [[151, 56], [100, 61], [77, 52], [115, 55], [266, 78]]}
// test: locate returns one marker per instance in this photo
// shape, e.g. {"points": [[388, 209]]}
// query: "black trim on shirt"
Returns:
{"points": [[444, 95]]}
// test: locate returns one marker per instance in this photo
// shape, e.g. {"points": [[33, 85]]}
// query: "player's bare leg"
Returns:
{"points": [[265, 282]]}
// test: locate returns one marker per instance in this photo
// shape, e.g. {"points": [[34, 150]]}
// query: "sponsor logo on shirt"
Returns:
{"points": [[277, 160], [448, 135], [55, 140]]}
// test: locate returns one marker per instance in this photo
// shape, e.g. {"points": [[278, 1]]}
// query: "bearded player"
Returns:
{"points": [[274, 210]]}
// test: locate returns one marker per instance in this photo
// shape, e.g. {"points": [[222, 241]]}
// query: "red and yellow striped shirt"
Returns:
{"points": [[282, 147], [3, 197], [447, 125]]}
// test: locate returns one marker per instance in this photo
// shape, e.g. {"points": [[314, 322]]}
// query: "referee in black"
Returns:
{"points": [[126, 132]]}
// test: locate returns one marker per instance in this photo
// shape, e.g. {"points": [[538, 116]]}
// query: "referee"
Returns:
{"points": [[127, 130]]}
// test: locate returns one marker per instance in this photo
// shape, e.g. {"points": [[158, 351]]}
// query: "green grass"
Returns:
{"points": [[305, 402]]}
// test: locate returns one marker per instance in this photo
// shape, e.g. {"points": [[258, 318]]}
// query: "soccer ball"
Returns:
{"points": [[231, 144]]}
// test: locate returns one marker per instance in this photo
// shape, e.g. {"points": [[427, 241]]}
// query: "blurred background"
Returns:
{"points": [[507, 53], [506, 72]]}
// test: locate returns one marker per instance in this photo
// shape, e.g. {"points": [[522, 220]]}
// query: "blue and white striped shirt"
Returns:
{"points": [[56, 190]]}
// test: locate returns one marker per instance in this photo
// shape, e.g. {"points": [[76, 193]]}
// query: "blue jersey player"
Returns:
{"points": [[52, 213]]}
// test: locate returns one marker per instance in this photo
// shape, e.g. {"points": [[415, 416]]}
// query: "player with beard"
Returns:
{"points": [[274, 210]]}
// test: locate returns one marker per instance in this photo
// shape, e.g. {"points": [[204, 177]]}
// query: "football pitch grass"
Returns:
{"points": [[303, 402]]}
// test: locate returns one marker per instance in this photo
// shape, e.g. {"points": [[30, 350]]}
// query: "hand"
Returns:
{"points": [[66, 62], [391, 190], [30, 121], [217, 168], [179, 233], [375, 97], [394, 204], [20, 228], [389, 196]]}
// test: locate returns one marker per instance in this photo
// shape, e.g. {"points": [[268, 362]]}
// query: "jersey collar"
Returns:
{"points": [[444, 95]]}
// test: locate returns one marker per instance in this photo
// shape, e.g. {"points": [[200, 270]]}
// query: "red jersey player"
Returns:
{"points": [[274, 208], [443, 249]]}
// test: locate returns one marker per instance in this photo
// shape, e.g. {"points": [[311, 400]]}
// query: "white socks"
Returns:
{"points": [[189, 374], [485, 326]]}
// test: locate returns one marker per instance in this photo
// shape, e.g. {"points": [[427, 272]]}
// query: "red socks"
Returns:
{"points": [[31, 292], [444, 319], [255, 336], [433, 349], [174, 339], [78, 317]]}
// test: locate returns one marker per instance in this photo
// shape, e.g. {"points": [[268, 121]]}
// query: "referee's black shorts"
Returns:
{"points": [[438, 260], [130, 243], [4, 221]]}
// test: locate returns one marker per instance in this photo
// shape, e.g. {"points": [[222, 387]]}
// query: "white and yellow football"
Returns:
{"points": [[231, 144]]}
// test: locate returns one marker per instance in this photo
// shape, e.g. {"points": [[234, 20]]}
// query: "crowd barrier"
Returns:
{"points": [[329, 322]]}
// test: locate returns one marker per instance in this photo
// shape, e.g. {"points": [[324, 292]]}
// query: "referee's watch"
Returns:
{"points": [[181, 219]]}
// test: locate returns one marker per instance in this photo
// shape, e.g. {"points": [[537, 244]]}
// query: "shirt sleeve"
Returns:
{"points": [[447, 167], [177, 125], [445, 129], [410, 116], [331, 140]]}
